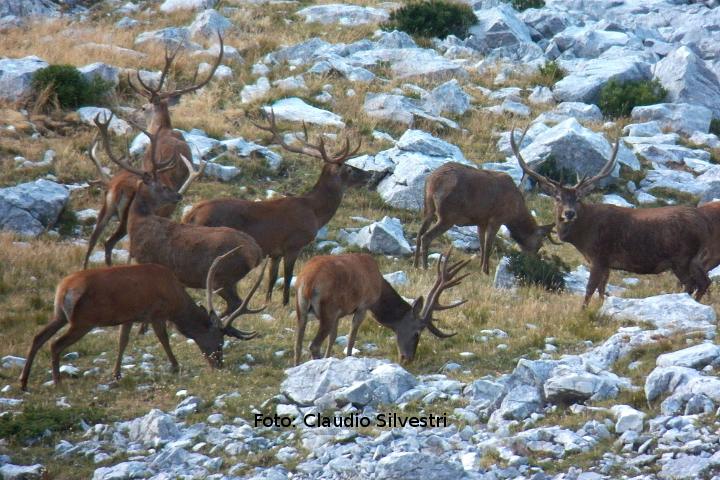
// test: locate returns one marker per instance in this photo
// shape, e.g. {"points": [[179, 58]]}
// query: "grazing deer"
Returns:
{"points": [[637, 240], [122, 295], [456, 194], [171, 145], [283, 226], [711, 255], [187, 250], [332, 286]]}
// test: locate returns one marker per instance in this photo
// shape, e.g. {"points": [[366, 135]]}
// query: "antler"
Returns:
{"points": [[92, 152], [122, 163], [193, 174], [244, 308], [446, 279], [584, 185], [548, 183], [312, 150]]}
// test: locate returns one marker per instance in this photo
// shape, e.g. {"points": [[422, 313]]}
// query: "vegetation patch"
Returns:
{"points": [[550, 73], [39, 421], [617, 99], [541, 270], [521, 5], [63, 86], [432, 18], [715, 126], [550, 169]]}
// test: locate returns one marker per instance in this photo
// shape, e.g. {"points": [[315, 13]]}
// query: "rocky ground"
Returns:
{"points": [[532, 388]]}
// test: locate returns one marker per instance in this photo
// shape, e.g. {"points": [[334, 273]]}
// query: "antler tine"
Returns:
{"points": [[227, 321], [149, 91], [157, 167], [211, 277], [103, 129], [193, 87], [92, 152], [606, 170], [136, 89], [193, 174], [525, 168], [169, 59], [272, 128], [446, 279]]}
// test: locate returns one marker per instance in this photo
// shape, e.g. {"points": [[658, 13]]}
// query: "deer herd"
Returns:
{"points": [[220, 241]]}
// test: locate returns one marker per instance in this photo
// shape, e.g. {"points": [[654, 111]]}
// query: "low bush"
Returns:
{"points": [[521, 5], [715, 126], [36, 422], [617, 99], [541, 270], [550, 169], [432, 18], [66, 87], [550, 73]]}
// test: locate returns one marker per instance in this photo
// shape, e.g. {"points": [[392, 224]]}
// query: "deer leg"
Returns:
{"points": [[322, 333], [603, 284], [418, 241], [272, 277], [43, 336], [701, 279], [123, 209], [288, 267], [122, 344], [436, 230], [332, 336], [481, 237], [357, 320], [72, 335], [487, 249], [302, 317], [160, 329], [102, 221], [597, 273]]}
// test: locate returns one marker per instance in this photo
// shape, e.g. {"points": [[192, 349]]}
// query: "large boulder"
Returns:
{"points": [[208, 24], [31, 208], [398, 108], [343, 14], [410, 62], [171, 6], [696, 356], [16, 76], [663, 380], [117, 126], [689, 467], [103, 71], [154, 429], [417, 466], [132, 469], [577, 383], [27, 8], [171, 37], [687, 80], [296, 110], [680, 117], [498, 27], [385, 237], [447, 98]]}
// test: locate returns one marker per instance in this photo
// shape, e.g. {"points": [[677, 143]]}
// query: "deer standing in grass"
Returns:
{"points": [[283, 226], [171, 145], [187, 250], [456, 194], [122, 295], [637, 240], [333, 286]]}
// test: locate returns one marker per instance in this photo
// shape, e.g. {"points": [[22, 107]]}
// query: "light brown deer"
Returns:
{"points": [[637, 240], [333, 286], [122, 295], [457, 194], [283, 226], [187, 250], [171, 145]]}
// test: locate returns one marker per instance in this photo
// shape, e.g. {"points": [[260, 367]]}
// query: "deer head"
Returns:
{"points": [[421, 312], [567, 199], [156, 111]]}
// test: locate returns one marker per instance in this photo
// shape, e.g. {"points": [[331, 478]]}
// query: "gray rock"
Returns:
{"points": [[498, 27], [28, 8], [251, 93], [646, 129], [385, 237], [343, 14], [617, 200], [170, 6], [627, 419], [541, 95], [171, 37], [519, 403], [124, 470], [21, 472], [417, 466], [154, 429], [208, 24], [16, 76], [117, 126], [31, 208], [571, 384], [485, 394], [697, 356], [396, 278], [504, 278], [689, 467], [398, 108], [108, 73], [582, 112], [296, 110], [680, 117], [663, 380], [687, 80], [447, 98], [409, 63], [673, 180]]}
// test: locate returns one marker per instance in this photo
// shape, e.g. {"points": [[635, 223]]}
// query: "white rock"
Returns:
{"points": [[170, 6], [627, 419], [696, 356], [208, 24], [385, 237], [31, 208], [108, 73], [251, 93], [680, 117], [412, 466], [117, 126], [16, 76], [396, 278], [343, 14], [296, 110], [687, 80]]}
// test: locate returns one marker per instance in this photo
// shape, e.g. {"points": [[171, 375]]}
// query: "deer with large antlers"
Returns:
{"points": [[456, 194], [283, 226], [333, 286], [123, 295], [637, 240], [170, 145], [187, 250]]}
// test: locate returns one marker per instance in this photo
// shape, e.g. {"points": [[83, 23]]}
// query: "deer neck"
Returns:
{"points": [[522, 226], [192, 321], [325, 197], [574, 232], [391, 307]]}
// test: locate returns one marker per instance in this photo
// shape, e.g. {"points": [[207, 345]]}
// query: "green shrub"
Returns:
{"points": [[541, 270], [35, 420], [432, 18], [617, 99], [550, 169], [521, 5], [715, 126], [551, 73], [66, 85]]}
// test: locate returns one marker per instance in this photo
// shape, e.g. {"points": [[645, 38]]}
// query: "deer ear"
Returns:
{"points": [[417, 306]]}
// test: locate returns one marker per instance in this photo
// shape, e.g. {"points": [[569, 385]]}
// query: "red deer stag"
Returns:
{"points": [[283, 226], [456, 194], [637, 240], [122, 295], [119, 190], [332, 286], [187, 250]]}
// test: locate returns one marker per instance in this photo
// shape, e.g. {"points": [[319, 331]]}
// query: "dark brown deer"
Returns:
{"points": [[283, 226], [187, 250], [123, 295], [637, 240], [457, 194], [333, 286], [171, 145]]}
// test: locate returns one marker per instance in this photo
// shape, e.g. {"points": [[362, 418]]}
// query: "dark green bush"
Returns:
{"points": [[35, 420], [541, 270], [551, 169], [715, 126], [551, 73], [67, 85], [432, 18], [521, 5], [617, 99]]}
